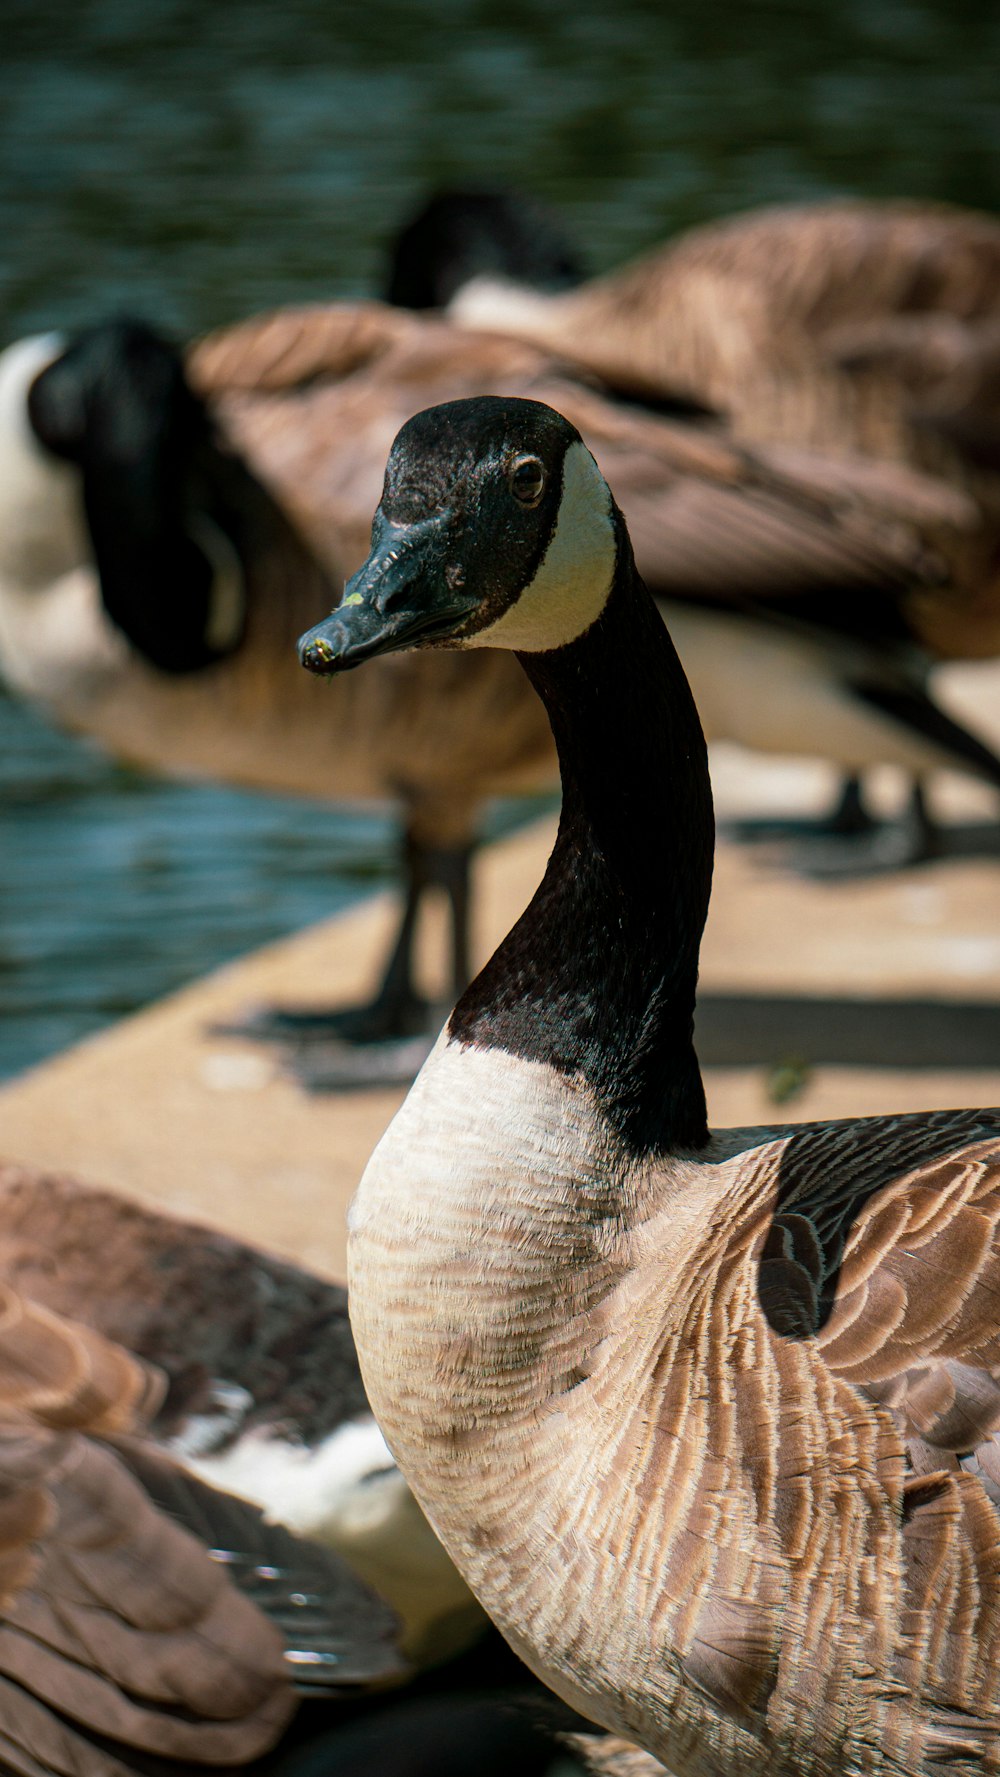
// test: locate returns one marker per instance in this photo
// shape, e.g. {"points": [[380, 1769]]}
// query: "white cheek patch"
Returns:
{"points": [[59, 645], [42, 532], [571, 587], [227, 601]]}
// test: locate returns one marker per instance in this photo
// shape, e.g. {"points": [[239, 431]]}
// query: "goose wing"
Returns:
{"points": [[116, 1621], [885, 1247], [142, 1610], [726, 314], [315, 397], [836, 1392], [202, 1307], [879, 1277], [290, 348], [710, 519], [119, 1624]]}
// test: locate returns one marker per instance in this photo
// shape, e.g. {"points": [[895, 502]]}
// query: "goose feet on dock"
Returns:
{"points": [[385, 1041], [849, 841]]}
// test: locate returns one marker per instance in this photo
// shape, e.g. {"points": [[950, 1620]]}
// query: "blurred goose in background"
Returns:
{"points": [[856, 326], [168, 527], [707, 1420], [478, 233]]}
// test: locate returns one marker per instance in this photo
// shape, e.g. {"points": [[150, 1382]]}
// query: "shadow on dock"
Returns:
{"points": [[748, 1030]]}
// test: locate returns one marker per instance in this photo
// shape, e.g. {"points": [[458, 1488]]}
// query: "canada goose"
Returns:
{"points": [[705, 1420], [853, 325], [140, 1607], [265, 1399], [226, 498]]}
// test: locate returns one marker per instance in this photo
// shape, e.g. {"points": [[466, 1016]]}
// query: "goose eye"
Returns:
{"points": [[527, 480]]}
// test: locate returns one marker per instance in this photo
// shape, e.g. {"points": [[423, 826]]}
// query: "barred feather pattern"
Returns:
{"points": [[713, 1439]]}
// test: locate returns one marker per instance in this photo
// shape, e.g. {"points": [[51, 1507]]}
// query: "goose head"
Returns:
{"points": [[108, 545], [495, 529], [470, 239]]}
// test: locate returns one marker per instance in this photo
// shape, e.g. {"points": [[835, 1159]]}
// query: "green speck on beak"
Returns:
{"points": [[353, 598]]}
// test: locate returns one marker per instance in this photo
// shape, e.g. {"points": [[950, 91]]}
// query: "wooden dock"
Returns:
{"points": [[817, 999]]}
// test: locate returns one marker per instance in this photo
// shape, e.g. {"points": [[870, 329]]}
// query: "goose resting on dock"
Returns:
{"points": [[706, 1420]]}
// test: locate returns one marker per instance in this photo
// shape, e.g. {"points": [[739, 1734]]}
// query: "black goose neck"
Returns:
{"points": [[598, 977]]}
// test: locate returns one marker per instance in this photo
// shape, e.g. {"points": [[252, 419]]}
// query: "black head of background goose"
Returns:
{"points": [[469, 232], [114, 402]]}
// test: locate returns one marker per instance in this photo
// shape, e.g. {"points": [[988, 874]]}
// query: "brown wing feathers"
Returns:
{"points": [[139, 1605], [315, 396], [127, 1627], [879, 1278], [62, 1374]]}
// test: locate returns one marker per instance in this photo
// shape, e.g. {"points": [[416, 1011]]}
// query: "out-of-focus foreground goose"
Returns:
{"points": [[142, 1610], [705, 1419], [224, 502], [264, 1397]]}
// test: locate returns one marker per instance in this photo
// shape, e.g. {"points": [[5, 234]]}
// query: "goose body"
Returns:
{"points": [[705, 1419], [247, 477]]}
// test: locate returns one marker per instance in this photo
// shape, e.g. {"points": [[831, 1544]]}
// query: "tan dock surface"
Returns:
{"points": [[162, 1108]]}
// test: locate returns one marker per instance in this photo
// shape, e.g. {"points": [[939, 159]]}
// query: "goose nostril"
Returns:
{"points": [[396, 595]]}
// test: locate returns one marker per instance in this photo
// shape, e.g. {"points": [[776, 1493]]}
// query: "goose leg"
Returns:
{"points": [[847, 819], [397, 1009], [385, 1040], [914, 837], [850, 817], [849, 841]]}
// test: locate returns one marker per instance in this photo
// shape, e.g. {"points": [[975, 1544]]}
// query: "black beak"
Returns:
{"points": [[399, 599]]}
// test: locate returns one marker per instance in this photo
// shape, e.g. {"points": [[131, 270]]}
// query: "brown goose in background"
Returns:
{"points": [[225, 501], [870, 328], [709, 1421]]}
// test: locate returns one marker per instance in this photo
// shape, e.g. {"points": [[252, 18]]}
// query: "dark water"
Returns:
{"points": [[195, 162]]}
